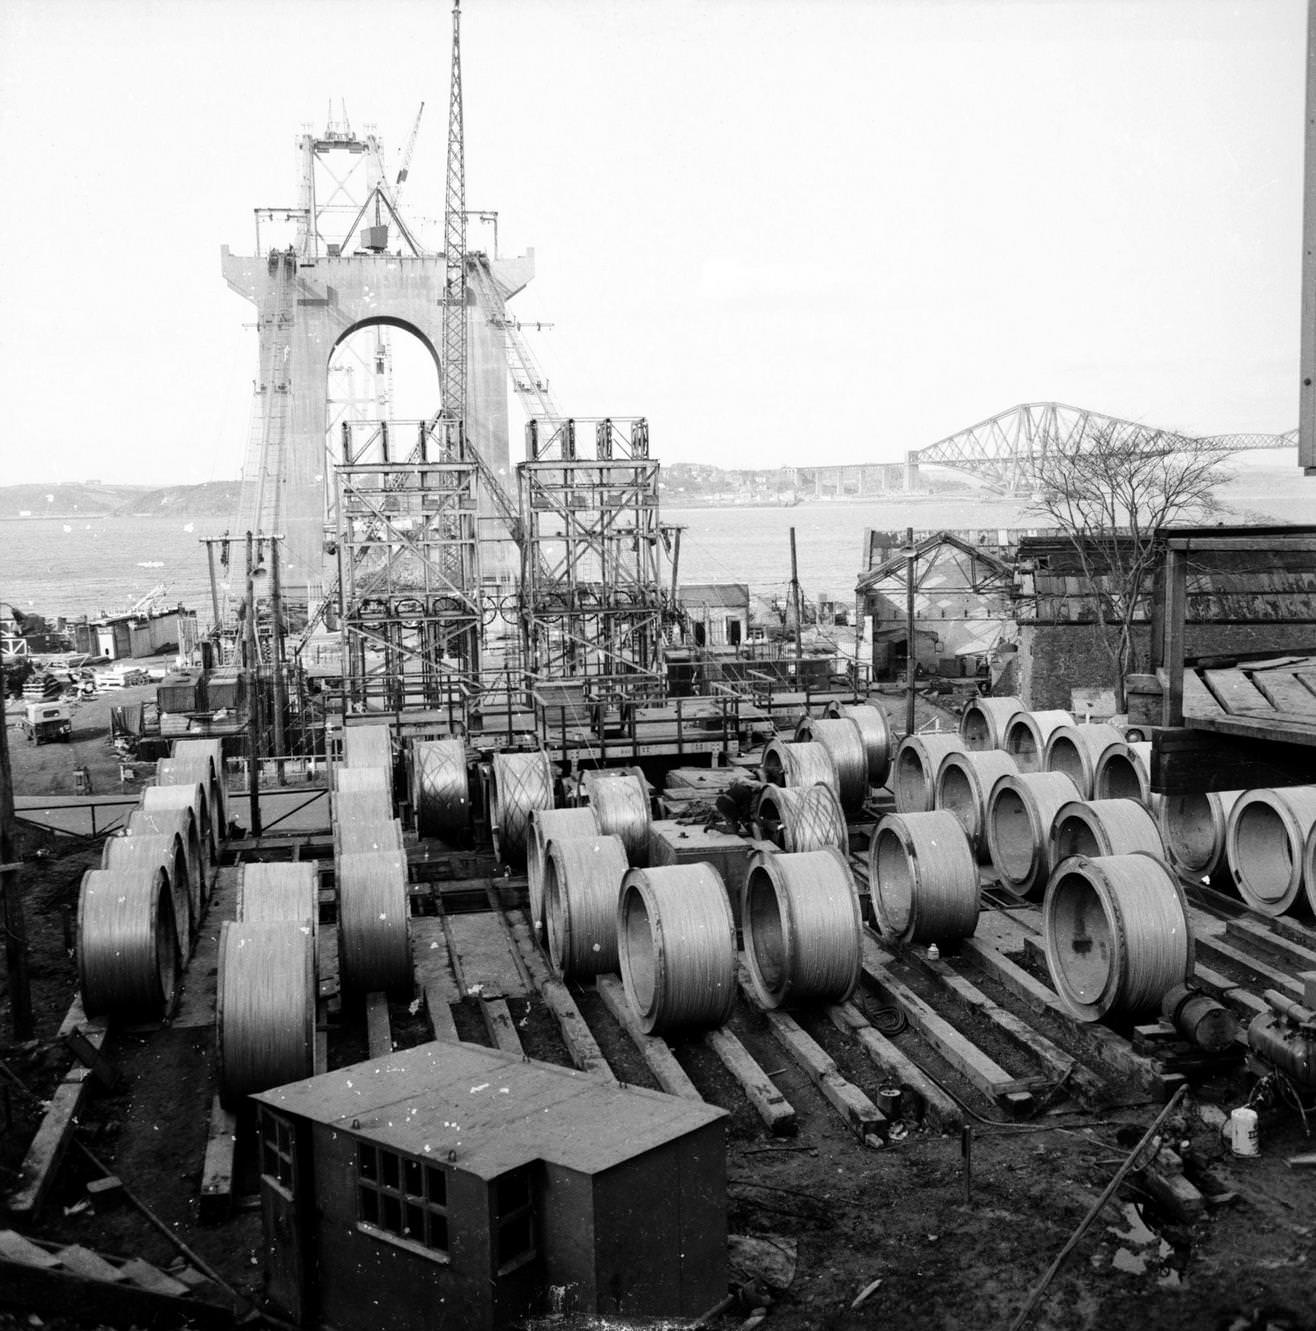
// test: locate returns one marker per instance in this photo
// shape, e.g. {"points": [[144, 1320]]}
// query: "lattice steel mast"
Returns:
{"points": [[454, 247]]}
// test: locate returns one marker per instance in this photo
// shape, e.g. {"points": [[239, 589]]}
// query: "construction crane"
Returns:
{"points": [[405, 165], [454, 244]]}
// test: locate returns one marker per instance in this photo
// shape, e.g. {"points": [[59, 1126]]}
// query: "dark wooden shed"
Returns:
{"points": [[453, 1186]]}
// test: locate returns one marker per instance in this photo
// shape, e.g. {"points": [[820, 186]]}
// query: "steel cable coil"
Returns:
{"points": [[914, 773], [874, 730], [1116, 934], [375, 779], [1103, 827], [369, 746], [1026, 735], [164, 851], [210, 752], [374, 945], [1266, 840], [522, 783], [923, 877], [545, 826], [1124, 774], [441, 788], [280, 890], [1020, 811], [265, 1013], [841, 738], [964, 781], [1193, 830], [677, 943], [182, 823], [363, 820], [185, 771], [800, 818], [798, 764], [802, 927], [984, 722], [582, 886], [127, 948], [1076, 751], [621, 804], [192, 796]]}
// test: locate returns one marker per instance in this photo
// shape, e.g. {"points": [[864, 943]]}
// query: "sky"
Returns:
{"points": [[825, 231]]}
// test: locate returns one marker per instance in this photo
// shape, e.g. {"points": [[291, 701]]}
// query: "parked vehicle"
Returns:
{"points": [[47, 722]]}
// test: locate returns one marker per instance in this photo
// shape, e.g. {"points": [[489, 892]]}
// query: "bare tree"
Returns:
{"points": [[1110, 496]]}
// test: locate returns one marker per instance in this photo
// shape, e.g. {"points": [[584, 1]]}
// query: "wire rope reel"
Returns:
{"points": [[280, 890], [914, 773], [265, 1013], [363, 820], [441, 789], [164, 851], [800, 819], [1124, 774], [1103, 827], [841, 738], [369, 746], [964, 781], [211, 752], [799, 763], [582, 886], [193, 797], [621, 804], [1076, 751], [374, 946], [127, 948], [984, 721], [545, 826], [874, 730], [802, 926], [1116, 934], [1193, 829], [676, 940], [1020, 812], [363, 778], [923, 878], [187, 771], [1027, 733], [182, 823], [1266, 839], [522, 783]]}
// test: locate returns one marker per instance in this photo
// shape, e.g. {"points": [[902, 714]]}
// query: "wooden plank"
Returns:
{"points": [[482, 956], [1235, 691], [1285, 692], [1238, 997], [938, 1107], [379, 1034], [90, 1056], [217, 1170], [500, 1026], [672, 1077], [1217, 949], [429, 959], [1192, 760], [199, 991], [1294, 953], [772, 1107]]}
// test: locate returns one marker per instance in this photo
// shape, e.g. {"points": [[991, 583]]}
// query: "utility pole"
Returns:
{"points": [[11, 903], [911, 649], [799, 618]]}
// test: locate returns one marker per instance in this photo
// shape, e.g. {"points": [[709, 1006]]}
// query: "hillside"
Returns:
{"points": [[80, 498], [210, 499]]}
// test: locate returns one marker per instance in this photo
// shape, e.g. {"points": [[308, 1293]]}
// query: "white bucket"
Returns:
{"points": [[1241, 1132]]}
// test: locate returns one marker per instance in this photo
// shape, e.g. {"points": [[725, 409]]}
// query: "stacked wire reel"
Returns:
{"points": [[547, 825], [191, 795], [1103, 827], [520, 784], [914, 772], [369, 746], [1021, 811], [441, 789], [164, 851], [1027, 733], [1079, 750], [265, 1015], [180, 822], [1193, 830], [802, 927], [800, 818], [985, 720], [582, 880], [844, 743], [210, 753], [875, 733], [128, 952], [799, 764], [923, 877], [1125, 775], [964, 782], [1270, 839], [197, 771], [620, 800]]}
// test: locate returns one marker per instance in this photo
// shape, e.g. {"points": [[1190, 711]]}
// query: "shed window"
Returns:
{"points": [[514, 1220], [276, 1148], [402, 1196]]}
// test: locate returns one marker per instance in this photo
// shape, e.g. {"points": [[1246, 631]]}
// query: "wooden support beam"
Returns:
{"points": [[499, 1024], [773, 1108], [672, 1077], [217, 1171], [90, 1056], [1219, 950], [1291, 951], [1193, 761], [379, 1034]]}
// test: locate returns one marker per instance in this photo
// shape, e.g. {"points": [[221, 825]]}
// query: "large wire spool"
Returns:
{"points": [[209, 751], [369, 746], [441, 788], [964, 780], [914, 773], [185, 771], [374, 949], [677, 943], [984, 721], [280, 890], [801, 818], [265, 1013], [802, 927], [1021, 809], [874, 730], [1193, 830], [522, 783], [165, 851], [923, 877], [127, 947], [192, 796], [621, 804], [1124, 774], [547, 825], [798, 764], [1266, 840], [363, 820], [1026, 735], [364, 778], [1103, 827], [582, 885], [180, 822], [1076, 751], [841, 738], [1116, 934]]}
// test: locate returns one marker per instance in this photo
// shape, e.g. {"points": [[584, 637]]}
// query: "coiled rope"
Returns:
{"points": [[441, 788], [796, 764], [874, 730], [1266, 840], [1117, 935], [191, 796], [369, 746], [964, 780], [374, 947], [677, 944], [1076, 751], [1020, 811], [621, 804], [163, 851], [914, 773], [800, 914], [923, 878], [280, 891], [189, 771], [984, 722], [265, 1014], [522, 783], [546, 825], [1193, 829], [127, 949], [210, 752], [800, 819], [582, 886], [845, 745], [180, 822], [1027, 733], [1103, 827], [1124, 774]]}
